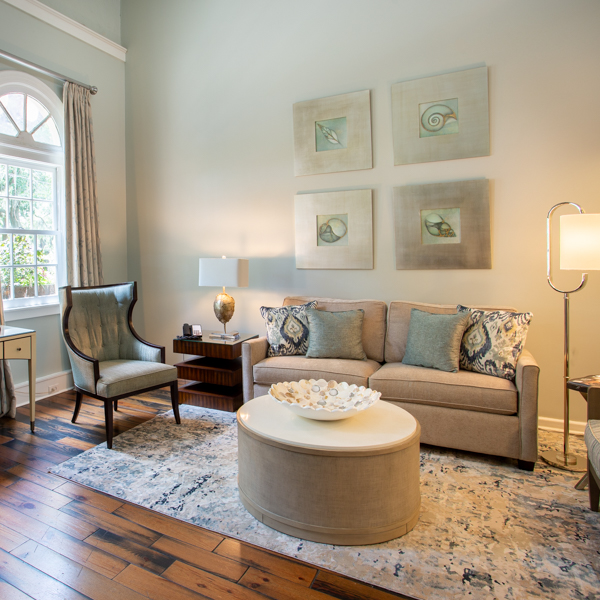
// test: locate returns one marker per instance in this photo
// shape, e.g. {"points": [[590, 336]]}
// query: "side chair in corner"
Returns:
{"points": [[109, 359]]}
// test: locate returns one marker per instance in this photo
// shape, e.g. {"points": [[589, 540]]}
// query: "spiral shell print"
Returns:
{"points": [[436, 117], [333, 230], [438, 227]]}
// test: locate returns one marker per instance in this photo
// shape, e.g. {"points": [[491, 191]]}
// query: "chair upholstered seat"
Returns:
{"points": [[119, 377]]}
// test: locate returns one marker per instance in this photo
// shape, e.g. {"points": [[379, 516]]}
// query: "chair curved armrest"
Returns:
{"points": [[526, 382], [253, 351], [86, 370], [142, 350]]}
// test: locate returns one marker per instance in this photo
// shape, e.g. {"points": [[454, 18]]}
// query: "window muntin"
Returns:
{"points": [[22, 114], [29, 236]]}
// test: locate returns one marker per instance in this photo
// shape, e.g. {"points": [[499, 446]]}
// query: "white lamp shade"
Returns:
{"points": [[580, 242], [223, 272]]}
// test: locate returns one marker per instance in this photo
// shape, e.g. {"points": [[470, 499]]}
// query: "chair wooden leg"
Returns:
{"points": [[594, 489], [175, 401], [78, 399], [108, 417], [116, 405]]}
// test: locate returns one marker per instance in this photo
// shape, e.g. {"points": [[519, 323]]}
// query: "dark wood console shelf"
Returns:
{"points": [[215, 373]]}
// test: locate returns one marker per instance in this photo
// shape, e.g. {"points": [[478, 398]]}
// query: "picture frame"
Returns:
{"points": [[441, 118], [443, 225], [333, 134], [334, 230]]}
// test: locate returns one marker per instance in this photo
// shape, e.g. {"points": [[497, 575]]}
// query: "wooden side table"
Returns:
{"points": [[215, 373]]}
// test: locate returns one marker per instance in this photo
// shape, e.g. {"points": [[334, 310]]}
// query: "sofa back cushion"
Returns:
{"points": [[399, 321], [374, 323]]}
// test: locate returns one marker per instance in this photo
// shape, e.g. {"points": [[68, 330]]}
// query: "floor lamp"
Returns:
{"points": [[579, 251]]}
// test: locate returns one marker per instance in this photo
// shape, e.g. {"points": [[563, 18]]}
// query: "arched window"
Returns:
{"points": [[31, 191]]}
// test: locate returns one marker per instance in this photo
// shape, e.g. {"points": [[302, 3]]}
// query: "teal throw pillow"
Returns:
{"points": [[493, 341], [434, 340], [335, 334], [287, 329]]}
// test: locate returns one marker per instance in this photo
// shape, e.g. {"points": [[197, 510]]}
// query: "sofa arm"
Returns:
{"points": [[526, 381], [253, 351]]}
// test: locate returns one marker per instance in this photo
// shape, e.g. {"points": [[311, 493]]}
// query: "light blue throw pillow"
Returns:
{"points": [[335, 334], [434, 340]]}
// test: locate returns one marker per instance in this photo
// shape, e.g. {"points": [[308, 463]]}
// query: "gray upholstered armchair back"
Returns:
{"points": [[97, 328]]}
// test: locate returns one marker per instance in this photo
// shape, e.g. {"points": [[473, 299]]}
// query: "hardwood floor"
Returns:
{"points": [[62, 541]]}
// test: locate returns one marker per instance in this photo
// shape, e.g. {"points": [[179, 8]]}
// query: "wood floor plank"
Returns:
{"points": [[344, 587], [83, 553], [44, 479], [23, 524], [88, 496], [203, 559], [75, 443], [9, 539], [136, 554], [33, 450], [6, 463], [278, 588], [80, 578], [111, 522], [26, 459], [39, 493], [33, 582], [207, 584], [8, 592], [5, 439], [267, 561], [153, 586], [183, 532], [64, 522], [41, 441], [7, 478]]}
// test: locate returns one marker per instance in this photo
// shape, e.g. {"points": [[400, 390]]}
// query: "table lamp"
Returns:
{"points": [[224, 272], [579, 251]]}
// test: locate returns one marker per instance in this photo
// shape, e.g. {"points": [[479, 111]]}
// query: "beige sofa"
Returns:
{"points": [[464, 410]]}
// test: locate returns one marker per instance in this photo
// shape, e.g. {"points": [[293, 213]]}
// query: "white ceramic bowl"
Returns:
{"points": [[323, 400]]}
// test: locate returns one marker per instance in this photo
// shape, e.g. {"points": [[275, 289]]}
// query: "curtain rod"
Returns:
{"points": [[93, 89]]}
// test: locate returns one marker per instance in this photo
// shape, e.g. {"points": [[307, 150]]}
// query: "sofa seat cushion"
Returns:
{"points": [[592, 441], [294, 368], [463, 390], [119, 377]]}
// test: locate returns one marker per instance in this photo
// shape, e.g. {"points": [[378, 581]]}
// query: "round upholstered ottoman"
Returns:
{"points": [[348, 482]]}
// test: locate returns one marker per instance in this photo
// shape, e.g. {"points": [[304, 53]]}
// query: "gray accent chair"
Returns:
{"points": [[108, 358]]}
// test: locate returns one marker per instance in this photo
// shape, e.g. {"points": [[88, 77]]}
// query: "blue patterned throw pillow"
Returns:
{"points": [[287, 329], [493, 341]]}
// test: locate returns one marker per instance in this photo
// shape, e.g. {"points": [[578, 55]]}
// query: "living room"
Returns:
{"points": [[194, 139]]}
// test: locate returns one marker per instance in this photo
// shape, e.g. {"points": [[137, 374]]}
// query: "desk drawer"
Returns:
{"points": [[19, 348]]}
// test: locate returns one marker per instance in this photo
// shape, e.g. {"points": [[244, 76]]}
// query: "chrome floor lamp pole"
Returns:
{"points": [[565, 459]]}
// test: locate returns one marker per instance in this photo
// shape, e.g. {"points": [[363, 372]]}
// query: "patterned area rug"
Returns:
{"points": [[486, 530]]}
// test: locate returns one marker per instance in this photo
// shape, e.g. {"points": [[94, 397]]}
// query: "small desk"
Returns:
{"points": [[216, 373], [20, 344]]}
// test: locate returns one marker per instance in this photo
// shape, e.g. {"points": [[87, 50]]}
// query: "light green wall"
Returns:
{"points": [[40, 43], [102, 16], [210, 89]]}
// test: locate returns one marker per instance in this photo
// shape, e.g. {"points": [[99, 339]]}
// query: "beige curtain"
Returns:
{"points": [[8, 400], [84, 261]]}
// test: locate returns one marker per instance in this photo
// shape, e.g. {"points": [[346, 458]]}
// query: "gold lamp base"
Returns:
{"points": [[568, 462], [224, 306]]}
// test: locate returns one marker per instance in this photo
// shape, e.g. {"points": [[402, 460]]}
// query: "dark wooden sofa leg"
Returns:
{"points": [[175, 400], [526, 465], [594, 489], [78, 399], [108, 417]]}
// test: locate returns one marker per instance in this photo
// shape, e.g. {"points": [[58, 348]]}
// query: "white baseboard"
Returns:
{"points": [[63, 382], [575, 427]]}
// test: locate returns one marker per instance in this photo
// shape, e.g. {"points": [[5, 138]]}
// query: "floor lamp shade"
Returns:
{"points": [[223, 272], [580, 242]]}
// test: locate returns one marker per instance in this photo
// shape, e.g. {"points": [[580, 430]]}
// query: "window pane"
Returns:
{"points": [[5, 249], [5, 279], [46, 249], [46, 281], [42, 185], [3, 212], [24, 282], [47, 133], [15, 104], [6, 127], [43, 215], [23, 249], [19, 214], [2, 180], [19, 182], [36, 113]]}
